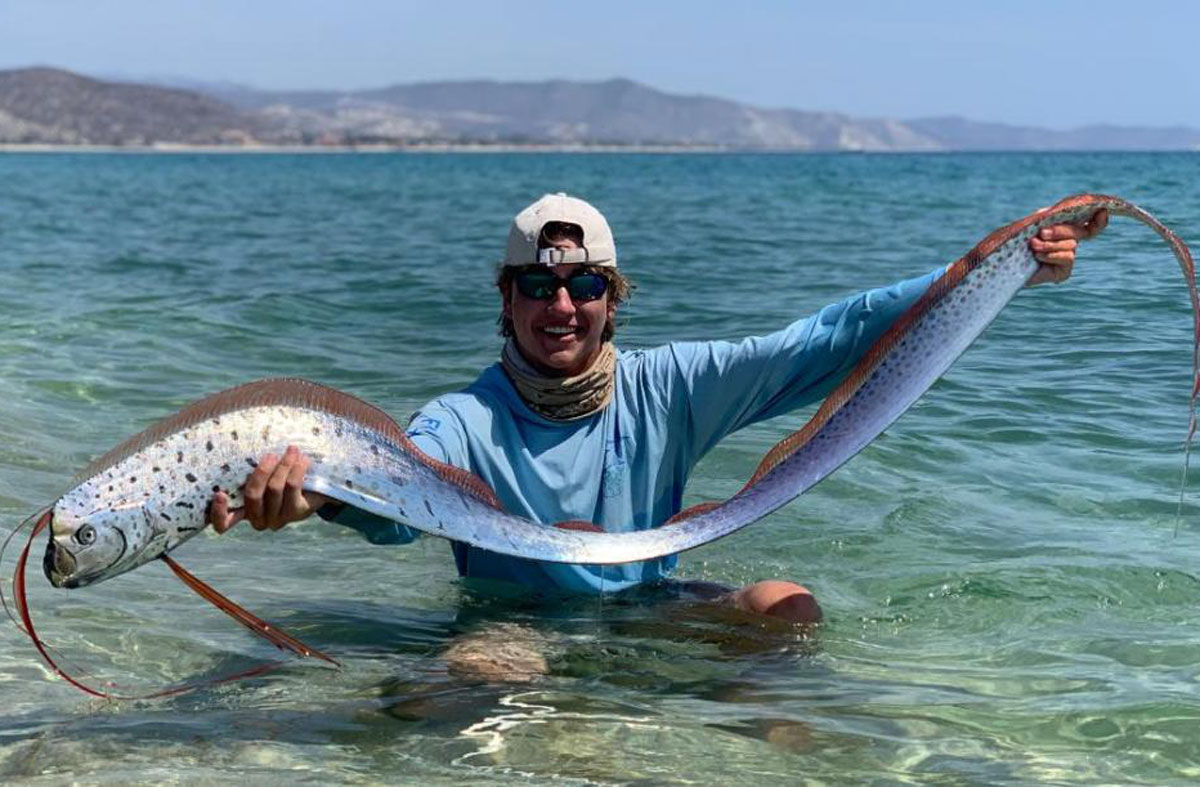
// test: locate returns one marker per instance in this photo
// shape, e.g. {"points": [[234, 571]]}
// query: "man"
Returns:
{"points": [[566, 427]]}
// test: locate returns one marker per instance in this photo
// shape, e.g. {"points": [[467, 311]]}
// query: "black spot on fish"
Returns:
{"points": [[133, 479], [375, 449], [186, 529], [316, 431], [349, 484], [233, 434], [208, 445], [216, 487], [162, 488], [428, 507], [165, 515], [225, 468], [251, 462], [191, 478], [110, 487], [184, 504], [179, 456], [156, 469]]}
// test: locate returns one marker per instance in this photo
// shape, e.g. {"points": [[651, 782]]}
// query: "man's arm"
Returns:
{"points": [[731, 385]]}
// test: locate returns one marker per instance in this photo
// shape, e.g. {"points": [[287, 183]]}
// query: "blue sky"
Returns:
{"points": [[1053, 64]]}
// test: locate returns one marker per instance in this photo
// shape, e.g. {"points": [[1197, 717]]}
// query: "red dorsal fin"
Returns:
{"points": [[289, 392], [696, 510], [579, 524]]}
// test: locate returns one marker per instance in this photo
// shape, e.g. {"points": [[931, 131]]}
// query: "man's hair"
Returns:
{"points": [[554, 233]]}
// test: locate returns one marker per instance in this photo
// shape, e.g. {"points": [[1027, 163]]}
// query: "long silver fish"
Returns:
{"points": [[149, 495]]}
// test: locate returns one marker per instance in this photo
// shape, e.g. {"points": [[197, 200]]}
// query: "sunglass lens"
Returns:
{"points": [[586, 286], [541, 285], [537, 285]]}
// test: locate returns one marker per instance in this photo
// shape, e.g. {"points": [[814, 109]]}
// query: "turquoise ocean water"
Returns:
{"points": [[1009, 599]]}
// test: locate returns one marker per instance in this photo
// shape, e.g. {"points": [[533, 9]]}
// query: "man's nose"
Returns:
{"points": [[561, 302]]}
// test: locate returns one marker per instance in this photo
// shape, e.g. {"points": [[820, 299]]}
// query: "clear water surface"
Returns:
{"points": [[1008, 596]]}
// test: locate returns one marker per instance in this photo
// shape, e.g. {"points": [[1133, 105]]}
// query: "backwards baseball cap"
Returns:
{"points": [[597, 248]]}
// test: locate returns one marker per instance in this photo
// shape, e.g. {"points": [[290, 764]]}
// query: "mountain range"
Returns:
{"points": [[48, 106]]}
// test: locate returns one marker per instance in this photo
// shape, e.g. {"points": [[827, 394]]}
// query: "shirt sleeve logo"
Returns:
{"points": [[423, 424]]}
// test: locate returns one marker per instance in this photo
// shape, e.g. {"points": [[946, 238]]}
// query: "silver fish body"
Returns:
{"points": [[910, 357], [155, 498], [150, 495]]}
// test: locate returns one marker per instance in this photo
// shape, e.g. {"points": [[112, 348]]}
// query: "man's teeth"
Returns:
{"points": [[558, 330]]}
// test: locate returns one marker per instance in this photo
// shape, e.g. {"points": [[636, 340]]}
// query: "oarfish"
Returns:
{"points": [[149, 495]]}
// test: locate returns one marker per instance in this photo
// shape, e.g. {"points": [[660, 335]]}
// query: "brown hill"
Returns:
{"points": [[51, 106], [55, 107]]}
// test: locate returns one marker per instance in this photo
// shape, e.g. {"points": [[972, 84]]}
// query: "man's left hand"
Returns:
{"points": [[1054, 247]]}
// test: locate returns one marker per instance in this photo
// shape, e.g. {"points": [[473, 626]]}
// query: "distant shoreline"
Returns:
{"points": [[447, 147], [244, 150], [43, 107]]}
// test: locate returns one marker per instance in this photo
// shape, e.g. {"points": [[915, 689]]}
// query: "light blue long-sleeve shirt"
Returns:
{"points": [[624, 468]]}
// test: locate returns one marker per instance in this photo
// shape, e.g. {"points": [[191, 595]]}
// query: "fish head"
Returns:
{"points": [[89, 547]]}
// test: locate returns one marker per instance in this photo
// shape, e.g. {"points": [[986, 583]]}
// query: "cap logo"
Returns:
{"points": [[552, 256]]}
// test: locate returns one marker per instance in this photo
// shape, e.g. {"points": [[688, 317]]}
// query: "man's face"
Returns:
{"points": [[558, 337]]}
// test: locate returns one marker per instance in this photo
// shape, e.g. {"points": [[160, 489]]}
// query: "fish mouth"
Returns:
{"points": [[58, 564], [62, 568]]}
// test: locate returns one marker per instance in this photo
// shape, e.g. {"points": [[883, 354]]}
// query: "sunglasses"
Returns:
{"points": [[542, 285]]}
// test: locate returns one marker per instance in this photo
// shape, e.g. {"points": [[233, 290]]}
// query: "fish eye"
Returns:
{"points": [[86, 535]]}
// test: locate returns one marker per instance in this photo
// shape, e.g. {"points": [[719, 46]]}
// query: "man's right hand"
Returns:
{"points": [[274, 495]]}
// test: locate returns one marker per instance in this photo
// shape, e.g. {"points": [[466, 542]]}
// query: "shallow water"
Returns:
{"points": [[1008, 595]]}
